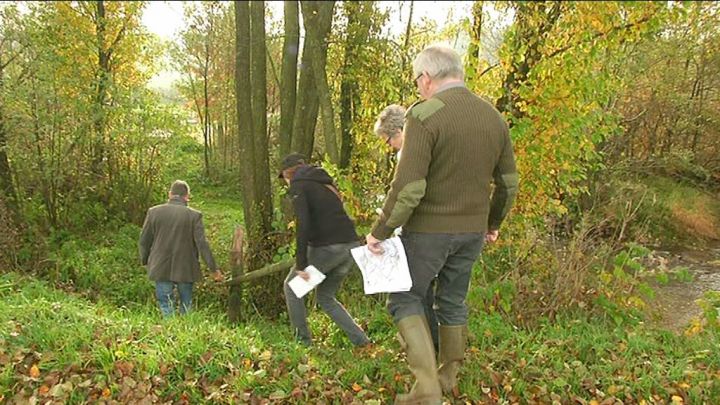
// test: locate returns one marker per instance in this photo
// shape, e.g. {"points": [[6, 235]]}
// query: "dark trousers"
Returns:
{"points": [[450, 258], [335, 261]]}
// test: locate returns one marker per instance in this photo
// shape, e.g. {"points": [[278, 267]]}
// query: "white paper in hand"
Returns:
{"points": [[301, 287], [388, 272]]}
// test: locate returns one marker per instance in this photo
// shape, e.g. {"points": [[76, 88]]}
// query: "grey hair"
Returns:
{"points": [[439, 62], [390, 120], [179, 188]]}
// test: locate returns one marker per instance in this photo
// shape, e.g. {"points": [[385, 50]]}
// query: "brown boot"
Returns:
{"points": [[421, 360], [452, 352]]}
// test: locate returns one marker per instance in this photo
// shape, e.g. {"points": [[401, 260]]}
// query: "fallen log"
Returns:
{"points": [[270, 269]]}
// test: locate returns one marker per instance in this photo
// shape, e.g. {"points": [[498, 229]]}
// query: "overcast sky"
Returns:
{"points": [[165, 18]]}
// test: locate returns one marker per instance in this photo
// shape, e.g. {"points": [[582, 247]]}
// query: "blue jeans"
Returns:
{"points": [[164, 291]]}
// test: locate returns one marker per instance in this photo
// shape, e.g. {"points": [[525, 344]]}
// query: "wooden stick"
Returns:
{"points": [[271, 269], [236, 268]]}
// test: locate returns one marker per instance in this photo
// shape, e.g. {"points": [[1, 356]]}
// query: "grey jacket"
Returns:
{"points": [[172, 237]]}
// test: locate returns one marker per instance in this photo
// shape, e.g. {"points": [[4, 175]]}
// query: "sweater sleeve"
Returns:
{"points": [[409, 183], [506, 186], [302, 225]]}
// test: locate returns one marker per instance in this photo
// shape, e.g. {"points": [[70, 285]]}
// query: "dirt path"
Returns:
{"points": [[675, 302]]}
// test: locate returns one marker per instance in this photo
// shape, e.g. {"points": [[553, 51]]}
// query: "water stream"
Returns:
{"points": [[674, 303]]}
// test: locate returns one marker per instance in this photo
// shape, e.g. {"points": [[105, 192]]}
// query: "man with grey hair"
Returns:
{"points": [[456, 145], [172, 238]]}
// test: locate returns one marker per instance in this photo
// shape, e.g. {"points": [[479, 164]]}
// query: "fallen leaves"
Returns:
{"points": [[124, 367], [34, 371], [61, 390], [278, 395]]}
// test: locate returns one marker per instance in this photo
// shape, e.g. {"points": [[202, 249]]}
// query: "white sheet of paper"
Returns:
{"points": [[388, 272], [301, 287]]}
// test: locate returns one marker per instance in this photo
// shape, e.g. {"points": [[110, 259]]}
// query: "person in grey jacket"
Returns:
{"points": [[172, 239]]}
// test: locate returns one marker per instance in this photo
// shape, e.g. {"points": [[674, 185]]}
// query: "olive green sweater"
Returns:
{"points": [[455, 146]]}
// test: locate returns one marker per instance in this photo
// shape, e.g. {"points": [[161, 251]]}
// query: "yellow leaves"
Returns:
{"points": [[34, 371], [43, 390], [106, 393], [266, 355], [356, 387], [676, 399], [694, 328], [636, 302], [247, 363]]}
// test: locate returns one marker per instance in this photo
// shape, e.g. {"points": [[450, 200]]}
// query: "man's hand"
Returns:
{"points": [[492, 236], [218, 276], [303, 275], [373, 245]]}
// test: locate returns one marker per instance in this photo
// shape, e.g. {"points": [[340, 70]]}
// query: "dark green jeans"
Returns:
{"points": [[450, 258]]}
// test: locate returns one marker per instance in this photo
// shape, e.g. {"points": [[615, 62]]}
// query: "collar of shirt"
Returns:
{"points": [[450, 85], [177, 201]]}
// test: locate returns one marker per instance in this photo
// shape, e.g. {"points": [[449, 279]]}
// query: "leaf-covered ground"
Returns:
{"points": [[59, 348]]}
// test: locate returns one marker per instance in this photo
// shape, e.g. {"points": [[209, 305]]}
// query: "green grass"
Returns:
{"points": [[192, 355], [204, 359], [657, 209], [683, 213], [93, 330]]}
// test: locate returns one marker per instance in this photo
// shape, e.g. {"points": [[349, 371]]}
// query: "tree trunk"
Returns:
{"points": [[530, 37], [103, 75], [358, 31], [244, 112], [258, 79], [245, 133], [317, 17], [206, 109], [349, 104], [307, 103], [6, 181], [405, 56], [321, 23], [236, 269], [288, 81], [473, 55], [268, 297]]}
